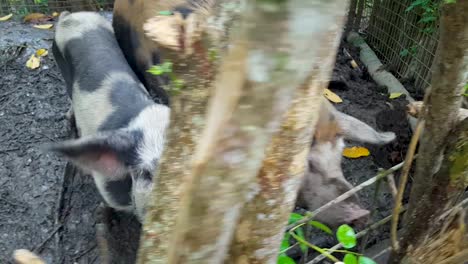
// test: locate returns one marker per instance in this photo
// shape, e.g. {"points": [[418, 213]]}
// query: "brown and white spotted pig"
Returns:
{"points": [[324, 179]]}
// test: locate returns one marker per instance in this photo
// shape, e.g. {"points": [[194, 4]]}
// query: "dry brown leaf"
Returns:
{"points": [[33, 17], [41, 52], [44, 26], [24, 256], [5, 18], [33, 62], [333, 97], [356, 152]]}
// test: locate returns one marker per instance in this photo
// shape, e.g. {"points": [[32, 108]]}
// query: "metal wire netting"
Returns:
{"points": [[24, 7], [403, 33]]}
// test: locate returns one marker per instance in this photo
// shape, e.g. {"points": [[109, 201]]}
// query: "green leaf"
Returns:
{"points": [[350, 259], [294, 217], [321, 226], [156, 70], [416, 4], [366, 260], [165, 13], [179, 83], [285, 242], [300, 233], [167, 67], [427, 19], [283, 259], [346, 236], [450, 1], [404, 53]]}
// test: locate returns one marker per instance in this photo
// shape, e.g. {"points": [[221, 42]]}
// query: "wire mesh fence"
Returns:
{"points": [[403, 33]]}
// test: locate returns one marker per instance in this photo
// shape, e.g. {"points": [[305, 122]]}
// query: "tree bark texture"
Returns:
{"points": [[441, 167], [263, 219], [237, 132], [188, 109]]}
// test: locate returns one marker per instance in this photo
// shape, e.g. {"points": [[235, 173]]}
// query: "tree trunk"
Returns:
{"points": [[204, 194], [441, 169], [263, 219], [188, 107]]}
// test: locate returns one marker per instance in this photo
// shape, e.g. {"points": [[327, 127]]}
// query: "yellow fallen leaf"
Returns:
{"points": [[55, 14], [354, 64], [395, 95], [41, 52], [356, 152], [44, 26], [333, 97], [5, 18], [33, 17], [33, 62]]}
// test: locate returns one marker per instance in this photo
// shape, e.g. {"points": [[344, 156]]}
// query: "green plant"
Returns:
{"points": [[176, 84], [345, 235]]}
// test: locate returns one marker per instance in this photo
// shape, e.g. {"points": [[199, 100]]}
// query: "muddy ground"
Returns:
{"points": [[49, 207]]}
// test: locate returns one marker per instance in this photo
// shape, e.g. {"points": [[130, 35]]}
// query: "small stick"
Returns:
{"points": [[392, 185], [403, 179], [40, 246], [460, 205], [346, 195]]}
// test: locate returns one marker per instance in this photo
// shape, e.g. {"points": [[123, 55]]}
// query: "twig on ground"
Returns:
{"points": [[402, 184], [459, 205], [392, 185], [358, 235], [346, 195], [414, 109], [82, 253], [39, 247]]}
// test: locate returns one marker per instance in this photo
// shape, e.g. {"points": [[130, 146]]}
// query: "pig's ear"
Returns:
{"points": [[354, 129], [110, 154]]}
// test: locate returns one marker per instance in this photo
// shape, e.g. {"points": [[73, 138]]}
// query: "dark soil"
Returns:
{"points": [[49, 207]]}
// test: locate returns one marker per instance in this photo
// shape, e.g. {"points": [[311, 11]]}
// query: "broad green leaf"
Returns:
{"points": [[321, 226], [366, 260], [350, 259], [346, 236], [283, 259], [165, 13], [285, 242], [450, 1], [294, 217], [156, 70], [300, 233], [167, 66]]}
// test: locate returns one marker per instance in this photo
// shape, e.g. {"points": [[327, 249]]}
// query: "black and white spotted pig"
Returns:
{"points": [[121, 129], [324, 179]]}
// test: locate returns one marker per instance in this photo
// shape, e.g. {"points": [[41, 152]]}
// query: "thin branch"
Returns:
{"points": [[346, 195], [392, 185], [460, 205], [403, 179]]}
